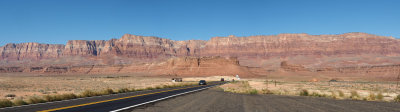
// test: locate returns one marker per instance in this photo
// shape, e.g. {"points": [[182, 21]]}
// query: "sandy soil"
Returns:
{"points": [[25, 85], [362, 89]]}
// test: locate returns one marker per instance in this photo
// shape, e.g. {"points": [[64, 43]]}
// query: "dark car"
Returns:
{"points": [[222, 79], [202, 82]]}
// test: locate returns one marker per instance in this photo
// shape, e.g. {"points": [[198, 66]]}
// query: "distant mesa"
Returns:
{"points": [[250, 51], [282, 45]]}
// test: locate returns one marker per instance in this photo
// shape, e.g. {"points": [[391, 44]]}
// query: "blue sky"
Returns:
{"points": [[56, 21]]}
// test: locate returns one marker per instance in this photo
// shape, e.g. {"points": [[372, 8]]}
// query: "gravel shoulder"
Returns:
{"points": [[215, 100]]}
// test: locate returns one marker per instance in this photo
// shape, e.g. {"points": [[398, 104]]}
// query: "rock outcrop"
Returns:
{"points": [[292, 67], [133, 53], [30, 51], [184, 66], [390, 72], [287, 45], [207, 66], [142, 47]]}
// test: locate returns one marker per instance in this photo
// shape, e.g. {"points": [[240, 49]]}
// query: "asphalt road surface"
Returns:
{"points": [[107, 103], [215, 100]]}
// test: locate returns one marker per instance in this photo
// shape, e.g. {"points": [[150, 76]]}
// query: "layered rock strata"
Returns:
{"points": [[184, 66], [142, 47]]}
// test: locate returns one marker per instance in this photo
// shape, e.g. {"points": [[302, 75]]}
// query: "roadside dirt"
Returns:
{"points": [[215, 100]]}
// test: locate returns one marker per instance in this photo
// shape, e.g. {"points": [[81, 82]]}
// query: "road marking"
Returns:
{"points": [[159, 99], [70, 100], [73, 106], [110, 100]]}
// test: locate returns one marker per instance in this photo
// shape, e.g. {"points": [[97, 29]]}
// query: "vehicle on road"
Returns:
{"points": [[222, 79], [176, 79], [202, 82]]}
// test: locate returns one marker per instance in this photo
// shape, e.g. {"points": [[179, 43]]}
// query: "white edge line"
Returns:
{"points": [[160, 99]]}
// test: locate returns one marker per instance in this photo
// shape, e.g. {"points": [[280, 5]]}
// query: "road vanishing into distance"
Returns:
{"points": [[110, 103], [204, 99]]}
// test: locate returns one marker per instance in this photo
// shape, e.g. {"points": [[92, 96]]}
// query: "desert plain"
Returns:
{"points": [[357, 66]]}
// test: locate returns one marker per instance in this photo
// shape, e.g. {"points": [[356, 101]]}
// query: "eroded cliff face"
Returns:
{"points": [[31, 51], [387, 72], [292, 67], [183, 66], [207, 66], [287, 45], [142, 47], [345, 53]]}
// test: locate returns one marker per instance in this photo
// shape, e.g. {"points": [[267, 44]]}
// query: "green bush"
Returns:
{"points": [[371, 96], [379, 96], [5, 103], [19, 101], [304, 92], [397, 98], [253, 91]]}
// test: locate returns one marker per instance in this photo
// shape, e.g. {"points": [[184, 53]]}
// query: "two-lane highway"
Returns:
{"points": [[107, 103]]}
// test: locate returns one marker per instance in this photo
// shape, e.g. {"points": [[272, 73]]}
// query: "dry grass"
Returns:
{"points": [[397, 98], [304, 92], [379, 96], [341, 94], [371, 97], [35, 99], [5, 103], [18, 102], [25, 86], [86, 93], [354, 95], [22, 90], [242, 87], [356, 90]]}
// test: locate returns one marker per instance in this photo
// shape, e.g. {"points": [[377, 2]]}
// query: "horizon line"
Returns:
{"points": [[208, 39]]}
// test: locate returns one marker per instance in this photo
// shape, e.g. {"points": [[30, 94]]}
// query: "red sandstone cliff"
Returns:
{"points": [[30, 51], [184, 66], [282, 45], [206, 66], [345, 53]]}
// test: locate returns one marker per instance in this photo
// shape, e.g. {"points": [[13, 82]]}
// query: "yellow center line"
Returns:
{"points": [[80, 105]]}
